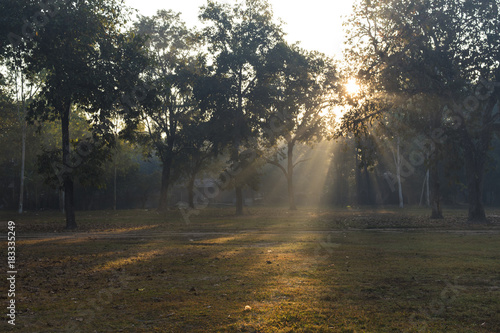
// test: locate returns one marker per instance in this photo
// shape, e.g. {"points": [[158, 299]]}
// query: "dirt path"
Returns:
{"points": [[202, 234]]}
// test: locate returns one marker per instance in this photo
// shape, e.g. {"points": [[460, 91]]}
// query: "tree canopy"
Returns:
{"points": [[420, 58], [239, 37], [89, 62], [237, 92]]}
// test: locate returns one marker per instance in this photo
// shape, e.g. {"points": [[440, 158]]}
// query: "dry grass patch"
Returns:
{"points": [[296, 273]]}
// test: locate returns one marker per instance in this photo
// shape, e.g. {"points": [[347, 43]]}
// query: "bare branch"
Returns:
{"points": [[301, 161], [276, 163]]}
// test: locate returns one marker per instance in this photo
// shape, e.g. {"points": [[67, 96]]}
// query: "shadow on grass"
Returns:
{"points": [[297, 273]]}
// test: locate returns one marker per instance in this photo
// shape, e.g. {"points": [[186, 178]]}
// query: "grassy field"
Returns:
{"points": [[268, 271]]}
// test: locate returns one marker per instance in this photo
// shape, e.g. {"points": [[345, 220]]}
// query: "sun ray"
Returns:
{"points": [[352, 87]]}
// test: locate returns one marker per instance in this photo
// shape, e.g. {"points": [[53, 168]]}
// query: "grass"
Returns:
{"points": [[310, 271]]}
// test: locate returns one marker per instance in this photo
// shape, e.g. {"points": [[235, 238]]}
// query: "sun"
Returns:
{"points": [[352, 87]]}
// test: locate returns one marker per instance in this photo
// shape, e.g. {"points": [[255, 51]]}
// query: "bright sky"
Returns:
{"points": [[317, 24]]}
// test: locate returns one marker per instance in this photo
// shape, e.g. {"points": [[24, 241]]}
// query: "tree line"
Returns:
{"points": [[92, 92]]}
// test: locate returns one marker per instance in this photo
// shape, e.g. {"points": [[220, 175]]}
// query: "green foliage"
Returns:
{"points": [[423, 63], [170, 105], [300, 91], [87, 61], [90, 62], [240, 38], [12, 26], [170, 80]]}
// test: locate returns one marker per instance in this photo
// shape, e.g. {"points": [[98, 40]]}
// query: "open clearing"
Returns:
{"points": [[268, 271]]}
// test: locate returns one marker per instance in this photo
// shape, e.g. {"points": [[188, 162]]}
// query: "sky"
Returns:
{"points": [[317, 24]]}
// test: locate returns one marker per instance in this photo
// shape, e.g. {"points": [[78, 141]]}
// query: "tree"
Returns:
{"points": [[476, 119], [13, 29], [404, 51], [9, 129], [123, 163], [197, 152], [434, 53], [171, 79], [303, 87], [89, 63], [337, 185], [24, 86], [239, 38]]}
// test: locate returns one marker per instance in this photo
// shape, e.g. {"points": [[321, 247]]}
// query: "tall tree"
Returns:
{"points": [[23, 86], [303, 89], [197, 153], [9, 129], [441, 55], [239, 38], [89, 63], [477, 116], [403, 51], [171, 79]]}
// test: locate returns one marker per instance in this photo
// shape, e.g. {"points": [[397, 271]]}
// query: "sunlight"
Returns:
{"points": [[338, 112], [125, 230], [310, 177], [352, 87], [41, 240], [118, 263]]}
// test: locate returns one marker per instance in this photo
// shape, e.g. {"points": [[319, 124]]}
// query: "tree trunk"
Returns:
{"points": [[239, 200], [474, 168], [359, 187], [289, 177], [369, 194], [435, 155], [476, 208], [476, 154], [37, 198], [61, 200], [23, 160], [165, 183], [428, 197], [397, 161], [237, 142], [114, 186], [423, 191], [400, 187], [191, 191], [437, 211], [22, 117], [69, 202]]}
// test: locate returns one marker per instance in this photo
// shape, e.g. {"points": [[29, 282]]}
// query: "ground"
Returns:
{"points": [[315, 270]]}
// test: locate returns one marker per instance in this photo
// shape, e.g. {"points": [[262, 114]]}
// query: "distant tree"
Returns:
{"points": [[239, 38], [337, 185], [300, 96], [393, 130], [124, 161], [89, 63], [197, 153], [9, 129], [23, 86]]}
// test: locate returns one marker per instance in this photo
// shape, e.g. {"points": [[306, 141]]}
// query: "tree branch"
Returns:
{"points": [[301, 161], [276, 163]]}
